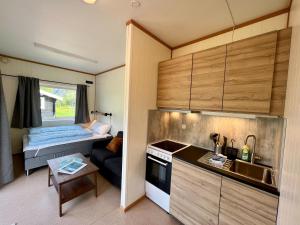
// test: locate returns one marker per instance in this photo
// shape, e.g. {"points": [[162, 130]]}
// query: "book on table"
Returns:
{"points": [[72, 167]]}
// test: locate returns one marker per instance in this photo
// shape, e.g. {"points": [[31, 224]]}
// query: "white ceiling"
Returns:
{"points": [[98, 31]]}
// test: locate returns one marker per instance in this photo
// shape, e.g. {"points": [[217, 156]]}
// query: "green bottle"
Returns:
{"points": [[245, 152]]}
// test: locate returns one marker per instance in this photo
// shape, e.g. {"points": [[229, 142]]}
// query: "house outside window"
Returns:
{"points": [[57, 102]]}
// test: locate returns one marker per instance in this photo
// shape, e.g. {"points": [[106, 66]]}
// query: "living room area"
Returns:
{"points": [[110, 188], [29, 200]]}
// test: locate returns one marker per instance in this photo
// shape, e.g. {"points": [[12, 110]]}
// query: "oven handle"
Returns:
{"points": [[155, 160]]}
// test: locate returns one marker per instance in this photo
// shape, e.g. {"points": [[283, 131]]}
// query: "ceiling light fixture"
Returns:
{"points": [[90, 1], [135, 3], [61, 52], [227, 114]]}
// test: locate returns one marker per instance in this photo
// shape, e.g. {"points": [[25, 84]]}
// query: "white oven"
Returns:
{"points": [[159, 171]]}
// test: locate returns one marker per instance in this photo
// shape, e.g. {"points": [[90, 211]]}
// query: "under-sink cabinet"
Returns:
{"points": [[199, 196], [244, 205]]}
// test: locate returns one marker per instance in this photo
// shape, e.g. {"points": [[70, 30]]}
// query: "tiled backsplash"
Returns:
{"points": [[195, 128]]}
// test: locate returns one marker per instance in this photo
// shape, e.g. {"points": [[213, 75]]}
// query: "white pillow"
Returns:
{"points": [[92, 124], [100, 128]]}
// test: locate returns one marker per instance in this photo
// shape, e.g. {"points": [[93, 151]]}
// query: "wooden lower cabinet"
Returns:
{"points": [[195, 194], [205, 198], [244, 205]]}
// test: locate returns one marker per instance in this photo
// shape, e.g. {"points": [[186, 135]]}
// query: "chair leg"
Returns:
{"points": [[27, 172]]}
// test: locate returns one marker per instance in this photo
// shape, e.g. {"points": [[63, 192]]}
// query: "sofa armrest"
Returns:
{"points": [[102, 143]]}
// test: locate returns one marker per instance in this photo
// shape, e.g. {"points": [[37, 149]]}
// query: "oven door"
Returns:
{"points": [[158, 173]]}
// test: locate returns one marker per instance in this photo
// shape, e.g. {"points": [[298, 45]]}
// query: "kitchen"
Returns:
{"points": [[215, 144]]}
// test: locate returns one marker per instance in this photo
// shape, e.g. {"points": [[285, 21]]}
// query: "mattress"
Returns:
{"points": [[42, 130], [60, 136]]}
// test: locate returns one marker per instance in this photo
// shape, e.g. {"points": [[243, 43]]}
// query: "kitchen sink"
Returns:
{"points": [[257, 172]]}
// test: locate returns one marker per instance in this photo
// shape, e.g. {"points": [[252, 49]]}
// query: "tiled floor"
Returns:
{"points": [[29, 201]]}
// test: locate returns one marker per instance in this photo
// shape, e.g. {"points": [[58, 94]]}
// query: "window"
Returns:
{"points": [[57, 102]]}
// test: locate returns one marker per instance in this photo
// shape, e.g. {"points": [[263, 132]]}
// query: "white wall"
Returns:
{"points": [[110, 98], [143, 54], [271, 24], [289, 203], [10, 84]]}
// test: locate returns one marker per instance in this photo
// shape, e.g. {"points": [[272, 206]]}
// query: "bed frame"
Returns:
{"points": [[31, 161]]}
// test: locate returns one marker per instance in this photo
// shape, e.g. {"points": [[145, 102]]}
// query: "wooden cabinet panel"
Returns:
{"points": [[281, 72], [208, 79], [243, 205], [174, 82], [195, 194], [249, 74]]}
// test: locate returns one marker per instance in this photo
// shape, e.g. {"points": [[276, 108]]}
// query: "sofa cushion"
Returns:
{"points": [[101, 154], [115, 144], [114, 165], [102, 143]]}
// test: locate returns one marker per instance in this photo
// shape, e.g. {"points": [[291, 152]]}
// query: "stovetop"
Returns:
{"points": [[169, 146]]}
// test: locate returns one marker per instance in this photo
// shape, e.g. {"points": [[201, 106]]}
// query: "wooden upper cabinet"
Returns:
{"points": [[208, 79], [244, 205], [174, 82], [249, 74], [281, 72]]}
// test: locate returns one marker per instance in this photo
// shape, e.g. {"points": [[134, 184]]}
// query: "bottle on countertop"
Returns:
{"points": [[218, 148], [245, 152]]}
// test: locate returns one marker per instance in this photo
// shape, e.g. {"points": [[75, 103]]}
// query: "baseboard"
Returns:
{"points": [[134, 203]]}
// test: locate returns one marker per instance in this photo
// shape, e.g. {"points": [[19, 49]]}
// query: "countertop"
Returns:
{"points": [[191, 155]]}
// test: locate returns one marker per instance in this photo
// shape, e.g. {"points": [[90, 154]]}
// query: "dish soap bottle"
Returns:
{"points": [[245, 152]]}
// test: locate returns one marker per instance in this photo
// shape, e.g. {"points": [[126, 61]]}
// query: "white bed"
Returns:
{"points": [[26, 147], [36, 155]]}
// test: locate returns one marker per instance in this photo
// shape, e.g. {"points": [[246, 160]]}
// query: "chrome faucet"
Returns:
{"points": [[253, 155]]}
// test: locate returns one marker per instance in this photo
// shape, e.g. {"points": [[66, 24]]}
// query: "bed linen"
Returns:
{"points": [[58, 136], [27, 147], [41, 130]]}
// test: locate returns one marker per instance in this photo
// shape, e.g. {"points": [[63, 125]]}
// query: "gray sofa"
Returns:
{"points": [[109, 163]]}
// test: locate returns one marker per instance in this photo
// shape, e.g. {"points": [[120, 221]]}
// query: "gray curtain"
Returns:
{"points": [[27, 111], [6, 163], [82, 112]]}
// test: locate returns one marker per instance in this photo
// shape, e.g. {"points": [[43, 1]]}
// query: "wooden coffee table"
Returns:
{"points": [[71, 186]]}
